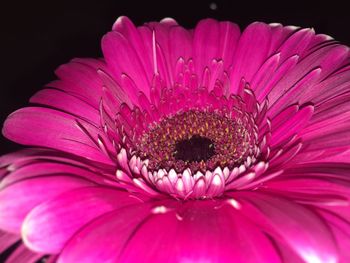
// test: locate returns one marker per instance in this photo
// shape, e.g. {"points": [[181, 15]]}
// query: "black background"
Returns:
{"points": [[38, 36]]}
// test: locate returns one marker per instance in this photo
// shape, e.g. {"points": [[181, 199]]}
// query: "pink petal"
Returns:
{"points": [[297, 43], [328, 126], [332, 107], [53, 129], [323, 192], [124, 26], [45, 168], [252, 51], [180, 45], [6, 240], [290, 94], [279, 34], [43, 229], [80, 78], [291, 125], [263, 75], [19, 198], [28, 162], [195, 232], [206, 35], [336, 84], [283, 69], [229, 36], [23, 255], [160, 45], [341, 231], [201, 231], [122, 58], [103, 239], [328, 59], [214, 41], [66, 103], [291, 224], [289, 255]]}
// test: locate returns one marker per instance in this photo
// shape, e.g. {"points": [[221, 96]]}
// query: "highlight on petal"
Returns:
{"points": [[292, 224], [54, 129], [29, 193], [44, 222], [197, 231]]}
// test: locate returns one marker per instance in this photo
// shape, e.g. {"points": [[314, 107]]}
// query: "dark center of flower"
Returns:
{"points": [[199, 140], [194, 149]]}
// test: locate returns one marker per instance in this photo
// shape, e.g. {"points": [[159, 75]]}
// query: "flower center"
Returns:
{"points": [[194, 149], [197, 139]]}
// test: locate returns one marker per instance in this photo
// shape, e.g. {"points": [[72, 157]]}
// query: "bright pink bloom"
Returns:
{"points": [[204, 145]]}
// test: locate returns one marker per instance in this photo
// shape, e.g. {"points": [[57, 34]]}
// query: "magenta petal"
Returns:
{"points": [[289, 255], [38, 162], [291, 224], [297, 43], [306, 74], [54, 129], [206, 35], [43, 168], [252, 51], [19, 198], [196, 232], [180, 45], [124, 26], [67, 103], [201, 231], [43, 229], [23, 255], [279, 34], [341, 231], [6, 240], [333, 195], [290, 126], [79, 78], [122, 59], [103, 239], [229, 36]]}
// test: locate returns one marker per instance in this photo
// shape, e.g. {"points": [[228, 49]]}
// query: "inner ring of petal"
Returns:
{"points": [[172, 143]]}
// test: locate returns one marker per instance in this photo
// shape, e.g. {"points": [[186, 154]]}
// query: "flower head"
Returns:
{"points": [[204, 145]]}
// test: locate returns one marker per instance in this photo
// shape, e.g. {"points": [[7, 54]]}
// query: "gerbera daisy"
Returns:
{"points": [[204, 145]]}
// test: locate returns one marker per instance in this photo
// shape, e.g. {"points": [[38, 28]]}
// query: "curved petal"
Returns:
{"points": [[122, 59], [205, 37], [6, 240], [54, 129], [252, 51], [79, 78], [290, 224], [199, 231], [103, 239], [19, 198], [51, 224], [306, 75], [124, 26], [67, 103], [341, 231], [42, 168], [291, 125], [180, 46], [23, 255], [194, 232]]}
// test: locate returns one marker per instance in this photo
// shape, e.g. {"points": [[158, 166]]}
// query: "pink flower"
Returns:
{"points": [[204, 145]]}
